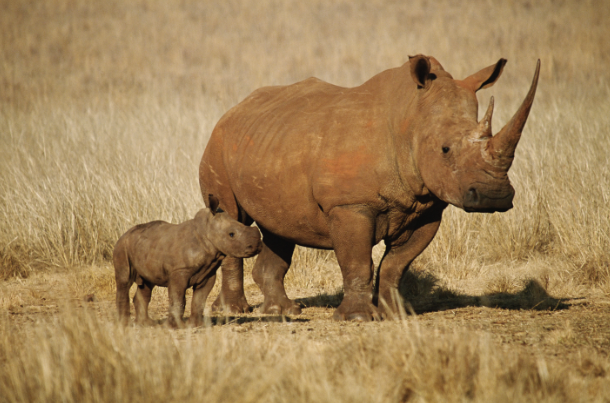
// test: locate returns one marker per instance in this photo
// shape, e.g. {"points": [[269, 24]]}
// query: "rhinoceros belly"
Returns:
{"points": [[294, 153]]}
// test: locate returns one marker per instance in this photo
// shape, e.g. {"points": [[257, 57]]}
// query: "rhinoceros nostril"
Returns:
{"points": [[253, 249], [473, 195]]}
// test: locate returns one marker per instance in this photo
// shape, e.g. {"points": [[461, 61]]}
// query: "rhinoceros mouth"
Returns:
{"points": [[476, 201], [487, 209]]}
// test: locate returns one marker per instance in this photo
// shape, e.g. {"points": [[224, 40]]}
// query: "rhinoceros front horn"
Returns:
{"points": [[502, 146]]}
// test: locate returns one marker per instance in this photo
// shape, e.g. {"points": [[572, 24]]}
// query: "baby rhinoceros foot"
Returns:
{"points": [[175, 323], [357, 310], [196, 321], [283, 306]]}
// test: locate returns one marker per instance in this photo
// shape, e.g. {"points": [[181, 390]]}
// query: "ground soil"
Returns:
{"points": [[560, 330]]}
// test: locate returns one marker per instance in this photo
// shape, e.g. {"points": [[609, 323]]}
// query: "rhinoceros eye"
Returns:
{"points": [[231, 234], [445, 150]]}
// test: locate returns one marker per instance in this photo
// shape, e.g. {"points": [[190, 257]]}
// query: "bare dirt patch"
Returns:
{"points": [[559, 329], [450, 345]]}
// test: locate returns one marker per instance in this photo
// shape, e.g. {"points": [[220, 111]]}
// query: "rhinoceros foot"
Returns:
{"points": [[231, 305], [357, 310], [280, 306], [145, 322]]}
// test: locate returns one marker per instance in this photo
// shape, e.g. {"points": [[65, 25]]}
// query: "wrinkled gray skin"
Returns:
{"points": [[178, 257]]}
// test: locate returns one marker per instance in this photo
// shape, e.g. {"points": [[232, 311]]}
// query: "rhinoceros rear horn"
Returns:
{"points": [[502, 146], [484, 129]]}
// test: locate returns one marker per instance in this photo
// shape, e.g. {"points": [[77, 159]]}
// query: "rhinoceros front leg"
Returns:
{"points": [[176, 290], [232, 298], [269, 271], [397, 258], [352, 229]]}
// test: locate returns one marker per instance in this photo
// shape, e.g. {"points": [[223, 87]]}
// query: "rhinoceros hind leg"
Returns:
{"points": [[232, 298], [269, 272]]}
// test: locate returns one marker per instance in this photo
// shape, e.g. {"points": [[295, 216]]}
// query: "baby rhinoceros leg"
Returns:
{"points": [[141, 301], [178, 283], [200, 295], [124, 279]]}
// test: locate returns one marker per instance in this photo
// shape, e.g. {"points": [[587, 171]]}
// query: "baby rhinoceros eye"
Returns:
{"points": [[231, 234], [445, 150]]}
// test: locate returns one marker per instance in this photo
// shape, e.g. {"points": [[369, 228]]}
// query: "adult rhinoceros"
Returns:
{"points": [[338, 168]]}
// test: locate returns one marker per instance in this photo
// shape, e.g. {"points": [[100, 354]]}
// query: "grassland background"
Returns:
{"points": [[106, 108]]}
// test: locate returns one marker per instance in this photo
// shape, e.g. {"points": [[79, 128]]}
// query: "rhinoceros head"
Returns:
{"points": [[228, 235], [458, 158]]}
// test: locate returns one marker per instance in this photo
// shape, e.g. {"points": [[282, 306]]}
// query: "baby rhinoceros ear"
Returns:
{"points": [[203, 216]]}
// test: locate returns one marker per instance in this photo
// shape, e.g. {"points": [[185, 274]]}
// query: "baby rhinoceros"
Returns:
{"points": [[178, 256]]}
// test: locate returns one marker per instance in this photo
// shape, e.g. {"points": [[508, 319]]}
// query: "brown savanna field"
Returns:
{"points": [[106, 108]]}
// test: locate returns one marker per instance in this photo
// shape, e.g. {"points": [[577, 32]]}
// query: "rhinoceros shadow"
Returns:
{"points": [[240, 320], [423, 293], [235, 320]]}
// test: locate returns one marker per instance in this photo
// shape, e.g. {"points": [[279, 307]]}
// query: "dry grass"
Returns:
{"points": [[105, 110], [398, 361]]}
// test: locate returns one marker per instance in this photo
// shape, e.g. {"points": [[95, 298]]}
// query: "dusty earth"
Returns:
{"points": [[561, 329]]}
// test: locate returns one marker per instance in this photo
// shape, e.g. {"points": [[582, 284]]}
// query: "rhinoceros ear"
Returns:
{"points": [[486, 77], [212, 203], [420, 70]]}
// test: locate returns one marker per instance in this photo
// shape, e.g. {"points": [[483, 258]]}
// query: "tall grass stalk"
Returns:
{"points": [[106, 107]]}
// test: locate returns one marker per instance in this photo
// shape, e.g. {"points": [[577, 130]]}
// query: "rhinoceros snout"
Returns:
{"points": [[254, 248], [477, 200], [252, 243]]}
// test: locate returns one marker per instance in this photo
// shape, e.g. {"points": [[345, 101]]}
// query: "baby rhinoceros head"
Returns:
{"points": [[229, 236]]}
